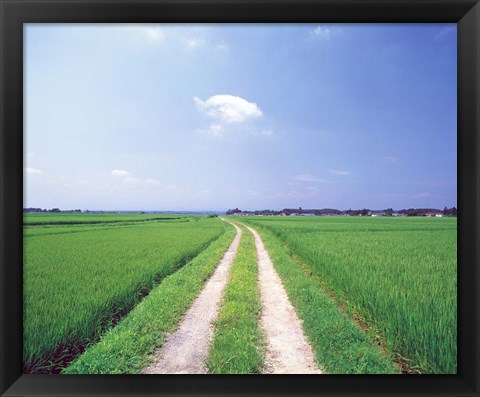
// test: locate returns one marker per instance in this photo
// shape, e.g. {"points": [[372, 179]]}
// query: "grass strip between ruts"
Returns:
{"points": [[339, 345], [238, 343], [126, 348]]}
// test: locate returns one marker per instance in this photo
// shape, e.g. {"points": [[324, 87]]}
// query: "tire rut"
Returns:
{"points": [[288, 351], [186, 349]]}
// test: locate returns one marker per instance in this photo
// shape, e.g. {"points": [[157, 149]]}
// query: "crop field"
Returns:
{"points": [[33, 219], [375, 295], [80, 279], [396, 276]]}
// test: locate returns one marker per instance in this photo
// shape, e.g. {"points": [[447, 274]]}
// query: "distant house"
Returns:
{"points": [[434, 214]]}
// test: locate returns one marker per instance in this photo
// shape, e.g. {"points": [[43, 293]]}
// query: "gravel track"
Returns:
{"points": [[288, 351], [186, 349]]}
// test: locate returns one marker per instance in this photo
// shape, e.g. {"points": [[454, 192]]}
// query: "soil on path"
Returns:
{"points": [[287, 351], [186, 350]]}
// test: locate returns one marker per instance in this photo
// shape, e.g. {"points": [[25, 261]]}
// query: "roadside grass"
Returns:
{"points": [[127, 348], [340, 347], [238, 343]]}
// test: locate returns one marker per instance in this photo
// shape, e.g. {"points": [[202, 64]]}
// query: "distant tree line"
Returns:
{"points": [[45, 210], [360, 212]]}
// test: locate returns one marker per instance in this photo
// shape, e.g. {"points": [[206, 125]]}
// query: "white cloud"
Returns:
{"points": [[215, 129], [307, 178], [32, 171], [154, 33], [268, 132], [130, 180], [193, 42], [150, 181], [339, 172], [321, 31], [120, 173], [228, 108], [222, 47]]}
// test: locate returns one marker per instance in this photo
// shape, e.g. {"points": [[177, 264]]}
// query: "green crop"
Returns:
{"points": [[398, 276], [128, 347], [80, 280]]}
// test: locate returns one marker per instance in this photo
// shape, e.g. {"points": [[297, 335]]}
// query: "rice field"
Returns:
{"points": [[376, 295], [395, 276], [79, 280]]}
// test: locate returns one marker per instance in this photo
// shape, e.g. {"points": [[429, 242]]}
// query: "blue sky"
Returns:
{"points": [[211, 117]]}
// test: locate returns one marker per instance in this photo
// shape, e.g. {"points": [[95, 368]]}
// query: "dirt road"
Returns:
{"points": [[288, 351], [186, 349]]}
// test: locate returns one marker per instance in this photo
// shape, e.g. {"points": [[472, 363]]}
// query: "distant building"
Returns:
{"points": [[434, 214]]}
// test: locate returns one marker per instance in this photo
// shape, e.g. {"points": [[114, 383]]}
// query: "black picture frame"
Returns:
{"points": [[14, 13]]}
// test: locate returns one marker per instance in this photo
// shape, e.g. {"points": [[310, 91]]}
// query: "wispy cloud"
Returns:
{"points": [[222, 47], [32, 171], [445, 31], [423, 195], [130, 180], [307, 178], [321, 31], [389, 159], [228, 108], [267, 132], [339, 172], [120, 173], [299, 194], [151, 181], [154, 33], [193, 42], [215, 129]]}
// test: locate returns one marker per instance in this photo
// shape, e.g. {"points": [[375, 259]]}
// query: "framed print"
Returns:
{"points": [[235, 189]]}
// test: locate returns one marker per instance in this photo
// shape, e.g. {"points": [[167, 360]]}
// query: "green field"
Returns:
{"points": [[376, 295], [396, 276], [79, 280], [34, 219]]}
